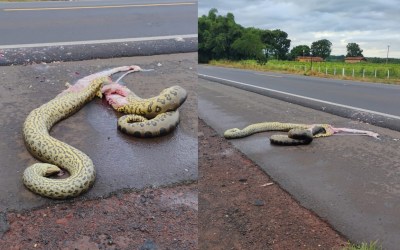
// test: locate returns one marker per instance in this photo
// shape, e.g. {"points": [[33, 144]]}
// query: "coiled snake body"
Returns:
{"points": [[58, 154], [299, 134], [160, 109]]}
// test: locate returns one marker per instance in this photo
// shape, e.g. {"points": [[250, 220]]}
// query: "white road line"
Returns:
{"points": [[307, 98], [101, 7], [260, 74], [122, 40]]}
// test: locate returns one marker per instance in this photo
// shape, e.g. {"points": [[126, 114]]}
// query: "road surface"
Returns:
{"points": [[346, 98], [351, 181], [65, 21], [36, 32]]}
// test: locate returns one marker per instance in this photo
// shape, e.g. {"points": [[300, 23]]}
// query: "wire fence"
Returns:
{"points": [[359, 70]]}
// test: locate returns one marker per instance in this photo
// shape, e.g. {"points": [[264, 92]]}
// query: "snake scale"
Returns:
{"points": [[58, 155], [298, 134]]}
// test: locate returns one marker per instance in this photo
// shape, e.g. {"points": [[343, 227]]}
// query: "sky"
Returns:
{"points": [[372, 24]]}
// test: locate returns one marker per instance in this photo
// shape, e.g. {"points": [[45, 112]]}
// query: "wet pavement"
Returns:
{"points": [[121, 162], [350, 181]]}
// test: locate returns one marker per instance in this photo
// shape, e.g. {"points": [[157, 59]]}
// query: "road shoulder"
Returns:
{"points": [[241, 207], [349, 181]]}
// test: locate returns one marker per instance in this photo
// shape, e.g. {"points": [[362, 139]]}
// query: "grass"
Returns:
{"points": [[362, 71], [363, 246]]}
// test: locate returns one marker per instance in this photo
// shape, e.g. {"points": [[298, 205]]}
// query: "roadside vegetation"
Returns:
{"points": [[363, 246], [370, 72], [223, 42]]}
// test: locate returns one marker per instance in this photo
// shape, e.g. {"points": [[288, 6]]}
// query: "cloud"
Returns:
{"points": [[370, 23]]}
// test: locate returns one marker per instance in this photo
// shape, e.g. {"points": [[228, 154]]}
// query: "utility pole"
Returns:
{"points": [[387, 55]]}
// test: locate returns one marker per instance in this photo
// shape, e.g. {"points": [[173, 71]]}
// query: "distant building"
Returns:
{"points": [[309, 59], [355, 59]]}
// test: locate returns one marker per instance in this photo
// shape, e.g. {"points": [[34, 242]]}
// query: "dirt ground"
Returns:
{"points": [[240, 207], [164, 218]]}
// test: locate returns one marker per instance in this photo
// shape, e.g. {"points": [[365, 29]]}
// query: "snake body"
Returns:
{"points": [[58, 155], [155, 116], [299, 134], [140, 126]]}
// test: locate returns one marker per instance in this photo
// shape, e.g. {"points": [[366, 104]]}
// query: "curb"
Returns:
{"points": [[375, 118], [78, 51]]}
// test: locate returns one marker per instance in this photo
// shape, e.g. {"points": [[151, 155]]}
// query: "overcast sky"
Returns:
{"points": [[372, 24]]}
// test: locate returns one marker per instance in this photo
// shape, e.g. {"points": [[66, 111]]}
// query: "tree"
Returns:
{"points": [[220, 37], [321, 48], [249, 46], [300, 50], [353, 49], [276, 43], [204, 38], [216, 35]]}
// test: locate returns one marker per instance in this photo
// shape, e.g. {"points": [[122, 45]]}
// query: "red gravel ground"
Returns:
{"points": [[164, 218], [240, 207]]}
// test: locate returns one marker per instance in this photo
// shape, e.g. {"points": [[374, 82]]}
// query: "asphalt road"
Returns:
{"points": [[350, 181], [379, 98], [65, 21]]}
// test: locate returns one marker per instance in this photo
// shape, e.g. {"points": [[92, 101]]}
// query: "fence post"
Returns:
{"points": [[363, 73], [375, 73], [343, 72], [326, 70]]}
